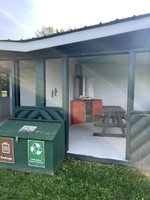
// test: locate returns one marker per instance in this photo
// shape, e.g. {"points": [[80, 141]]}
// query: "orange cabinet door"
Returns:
{"points": [[77, 112]]}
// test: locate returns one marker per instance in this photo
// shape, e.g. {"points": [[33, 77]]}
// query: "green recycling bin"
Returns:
{"points": [[32, 146]]}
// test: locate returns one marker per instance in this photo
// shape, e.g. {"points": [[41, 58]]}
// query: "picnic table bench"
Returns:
{"points": [[112, 117]]}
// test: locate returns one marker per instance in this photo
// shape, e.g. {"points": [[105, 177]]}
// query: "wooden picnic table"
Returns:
{"points": [[112, 117]]}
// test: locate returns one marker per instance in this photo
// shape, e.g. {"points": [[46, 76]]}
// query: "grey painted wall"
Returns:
{"points": [[4, 107]]}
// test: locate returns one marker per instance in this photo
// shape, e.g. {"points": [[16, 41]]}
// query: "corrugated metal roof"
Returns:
{"points": [[85, 28]]}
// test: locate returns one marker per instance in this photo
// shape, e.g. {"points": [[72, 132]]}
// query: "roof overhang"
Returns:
{"points": [[77, 36]]}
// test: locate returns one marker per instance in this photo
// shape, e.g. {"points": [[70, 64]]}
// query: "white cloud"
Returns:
{"points": [[70, 13]]}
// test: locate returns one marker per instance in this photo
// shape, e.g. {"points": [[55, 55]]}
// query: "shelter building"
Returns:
{"points": [[108, 62]]}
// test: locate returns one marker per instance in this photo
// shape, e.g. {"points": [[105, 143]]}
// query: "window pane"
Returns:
{"points": [[4, 85], [27, 83]]}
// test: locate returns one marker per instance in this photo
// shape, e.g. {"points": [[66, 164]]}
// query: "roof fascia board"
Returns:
{"points": [[79, 36]]}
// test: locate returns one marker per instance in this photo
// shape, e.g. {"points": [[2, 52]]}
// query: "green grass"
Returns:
{"points": [[77, 180]]}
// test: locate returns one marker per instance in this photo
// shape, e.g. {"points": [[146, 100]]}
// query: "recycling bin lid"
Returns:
{"points": [[37, 130]]}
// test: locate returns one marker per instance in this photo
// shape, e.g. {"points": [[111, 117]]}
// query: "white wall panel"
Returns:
{"points": [[109, 83], [54, 81]]}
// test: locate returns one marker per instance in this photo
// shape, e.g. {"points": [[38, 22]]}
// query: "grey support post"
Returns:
{"points": [[130, 99], [65, 90]]}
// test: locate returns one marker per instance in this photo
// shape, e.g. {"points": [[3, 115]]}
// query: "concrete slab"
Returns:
{"points": [[82, 142]]}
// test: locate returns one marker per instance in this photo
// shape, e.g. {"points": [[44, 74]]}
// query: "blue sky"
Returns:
{"points": [[19, 19], [15, 18]]}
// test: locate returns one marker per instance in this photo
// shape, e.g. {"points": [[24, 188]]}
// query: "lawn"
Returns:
{"points": [[77, 180]]}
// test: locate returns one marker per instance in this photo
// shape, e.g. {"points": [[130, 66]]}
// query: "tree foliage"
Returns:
{"points": [[49, 30]]}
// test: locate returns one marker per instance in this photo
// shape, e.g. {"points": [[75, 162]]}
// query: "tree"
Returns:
{"points": [[44, 31]]}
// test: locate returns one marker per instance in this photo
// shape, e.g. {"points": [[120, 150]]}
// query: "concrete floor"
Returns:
{"points": [[82, 142]]}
